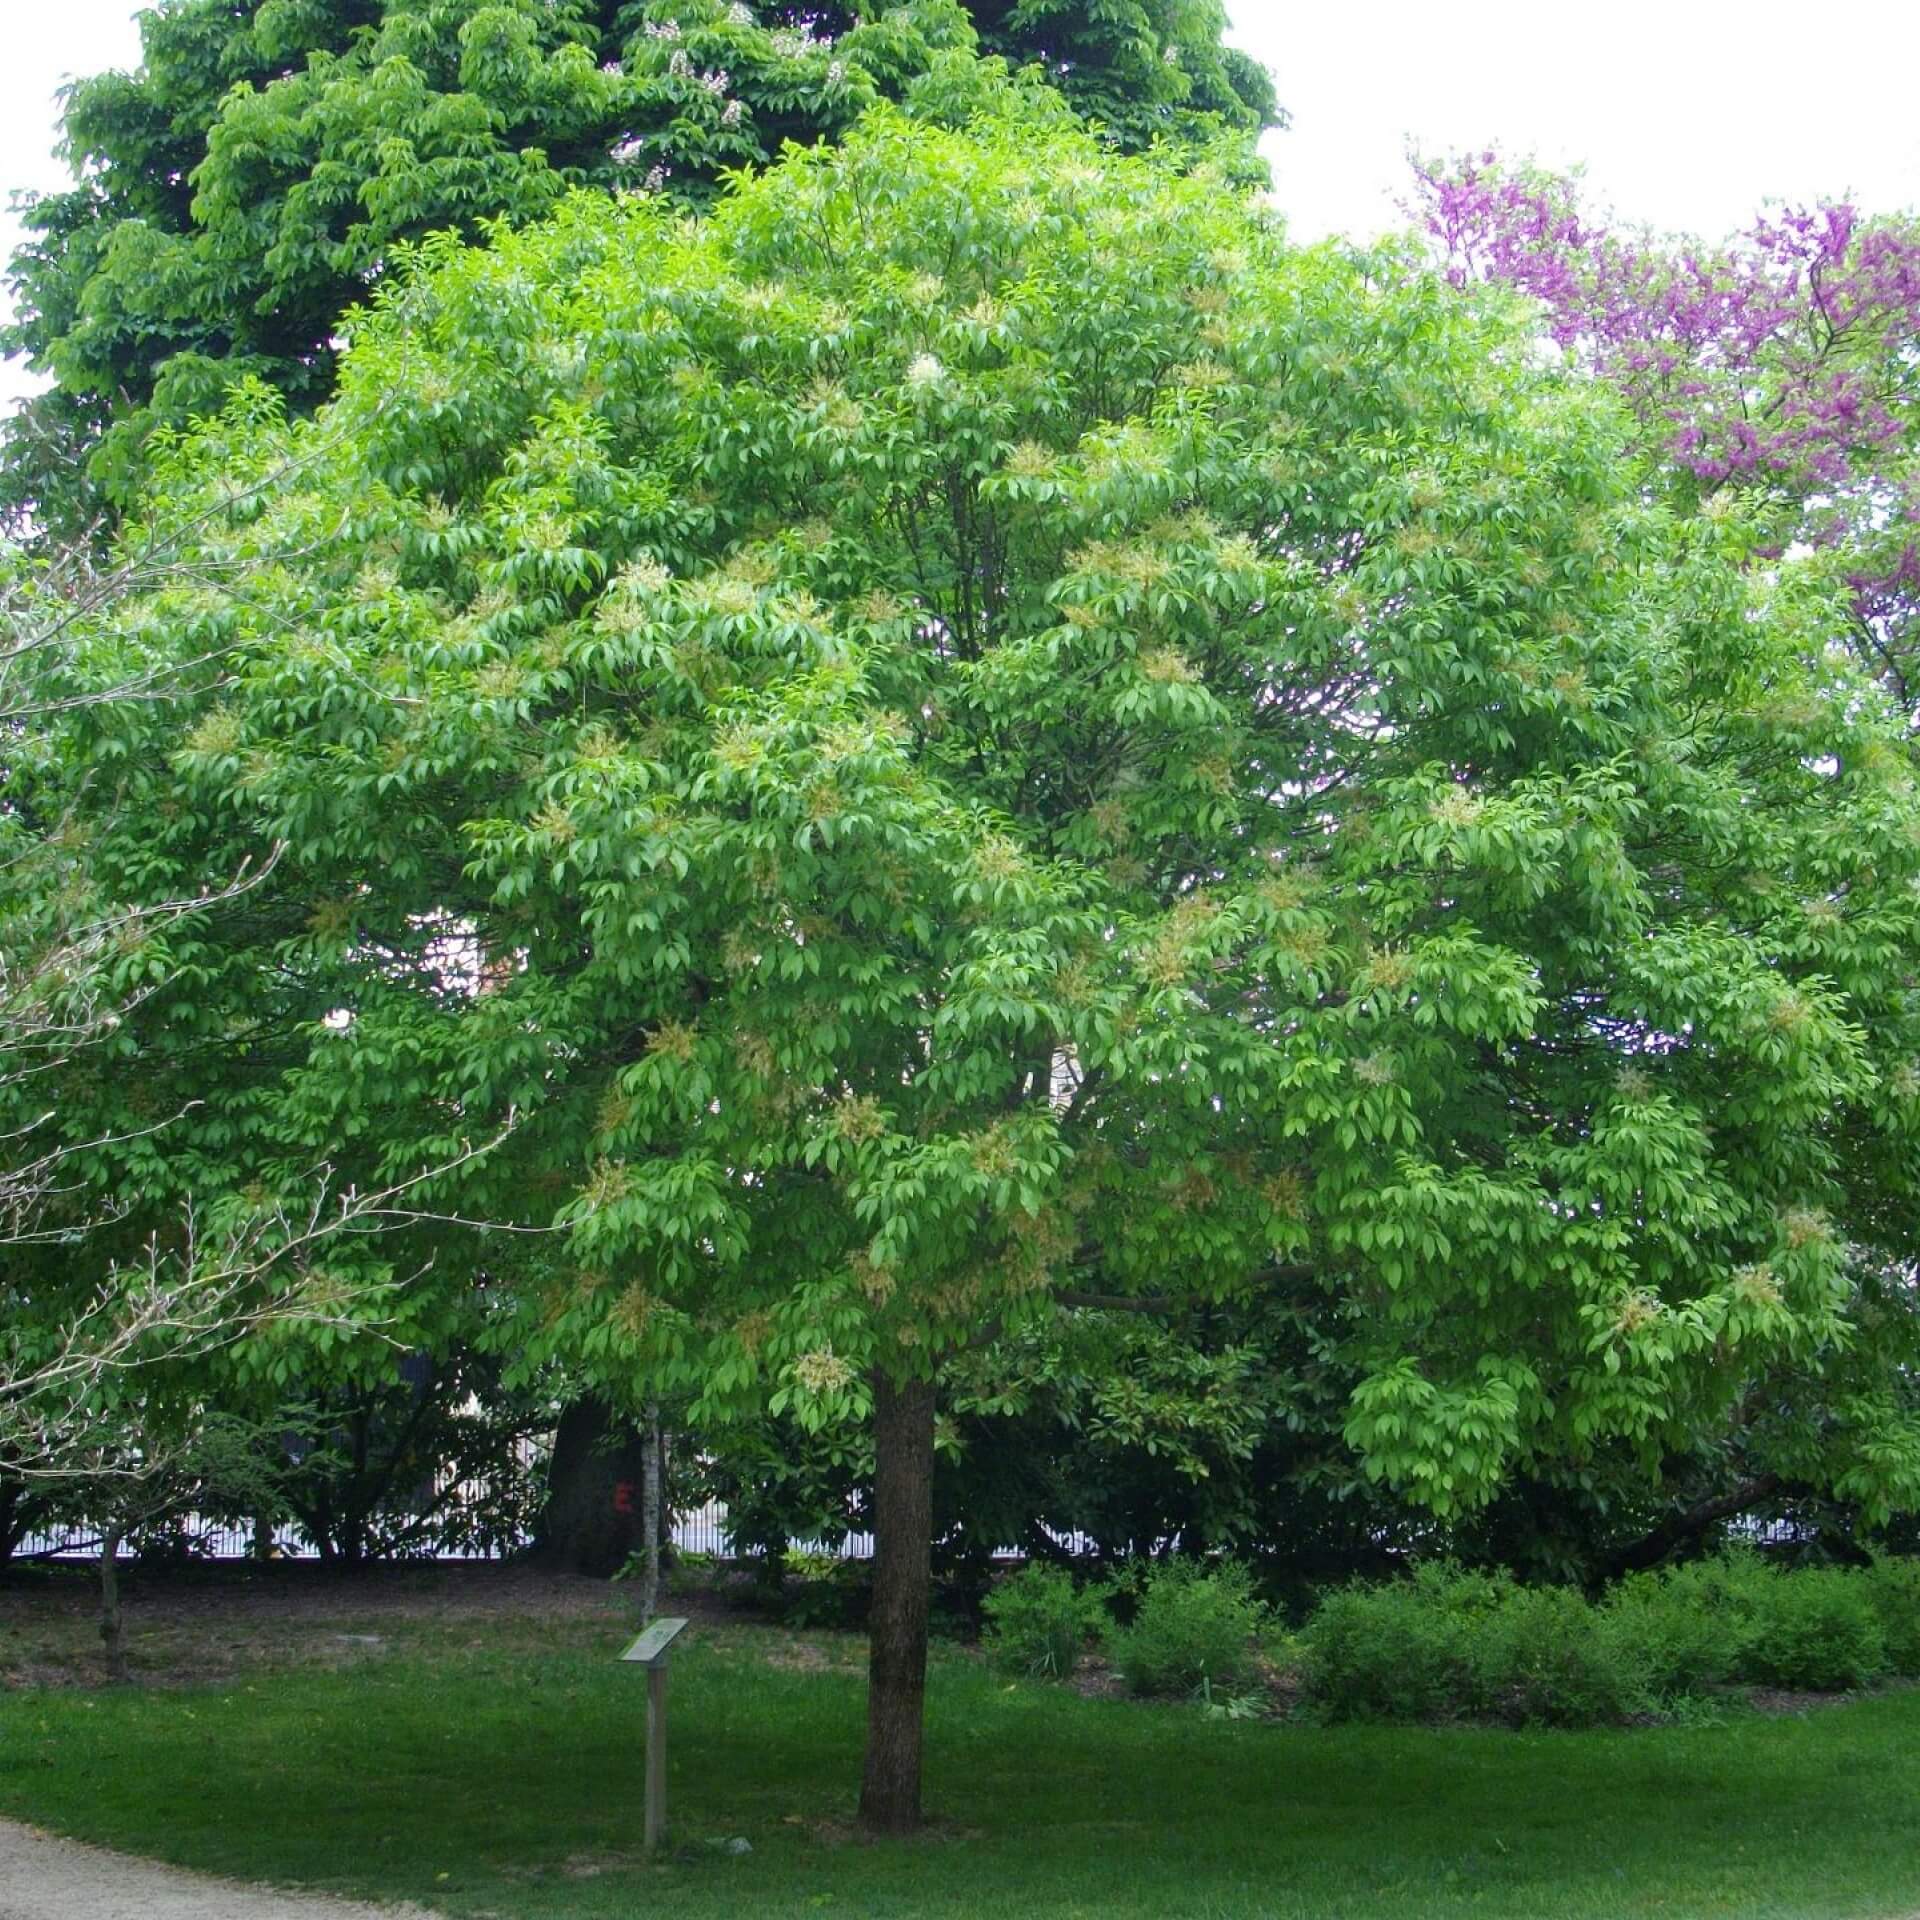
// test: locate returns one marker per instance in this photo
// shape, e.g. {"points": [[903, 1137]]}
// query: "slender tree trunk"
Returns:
{"points": [[663, 1458], [650, 1519], [112, 1636], [902, 1584]]}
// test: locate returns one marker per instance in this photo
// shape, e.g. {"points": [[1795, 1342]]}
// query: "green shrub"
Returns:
{"points": [[1893, 1586], [1387, 1653], [1547, 1657], [688, 1571], [1449, 1645], [1732, 1589], [1817, 1627], [1733, 1617], [827, 1593], [1194, 1624], [1038, 1620], [1463, 1595], [1689, 1638]]}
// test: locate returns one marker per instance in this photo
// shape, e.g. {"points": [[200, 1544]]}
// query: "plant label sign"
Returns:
{"points": [[650, 1649]]}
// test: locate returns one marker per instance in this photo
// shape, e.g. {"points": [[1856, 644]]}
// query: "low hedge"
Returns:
{"points": [[1448, 1645]]}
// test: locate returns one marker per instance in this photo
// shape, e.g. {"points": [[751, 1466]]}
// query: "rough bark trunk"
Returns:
{"points": [[902, 1583], [650, 1520], [591, 1522], [18, 1510], [112, 1633]]}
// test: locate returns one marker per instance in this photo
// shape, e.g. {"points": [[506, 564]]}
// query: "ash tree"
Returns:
{"points": [[1004, 741], [249, 183]]}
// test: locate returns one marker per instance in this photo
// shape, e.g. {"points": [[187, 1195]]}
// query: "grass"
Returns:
{"points": [[494, 1769]]}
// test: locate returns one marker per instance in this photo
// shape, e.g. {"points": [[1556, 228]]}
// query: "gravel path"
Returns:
{"points": [[44, 1878]]}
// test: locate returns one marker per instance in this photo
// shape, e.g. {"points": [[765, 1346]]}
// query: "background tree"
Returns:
{"points": [[1132, 1434], [1008, 742], [591, 1519], [248, 185], [1142, 70], [1773, 376], [390, 1455]]}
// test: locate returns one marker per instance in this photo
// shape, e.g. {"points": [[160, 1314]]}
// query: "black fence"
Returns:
{"points": [[700, 1530], [703, 1530]]}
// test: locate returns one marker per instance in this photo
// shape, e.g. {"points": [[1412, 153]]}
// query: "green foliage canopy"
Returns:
{"points": [[250, 182], [994, 732], [1142, 70]]}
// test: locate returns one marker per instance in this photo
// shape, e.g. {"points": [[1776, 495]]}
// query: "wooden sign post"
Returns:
{"points": [[650, 1650]]}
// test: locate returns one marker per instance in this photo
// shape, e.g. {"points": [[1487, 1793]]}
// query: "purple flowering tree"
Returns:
{"points": [[1776, 378], [1782, 368]]}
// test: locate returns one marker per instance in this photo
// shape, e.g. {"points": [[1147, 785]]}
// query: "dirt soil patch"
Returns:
{"points": [[1799, 1700], [204, 1625]]}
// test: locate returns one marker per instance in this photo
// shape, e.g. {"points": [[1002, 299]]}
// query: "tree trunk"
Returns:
{"points": [[591, 1522], [650, 1520], [19, 1509], [112, 1635], [902, 1584]]}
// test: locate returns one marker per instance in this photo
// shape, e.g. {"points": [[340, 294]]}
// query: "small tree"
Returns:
{"points": [[158, 1460], [1007, 741], [161, 1246]]}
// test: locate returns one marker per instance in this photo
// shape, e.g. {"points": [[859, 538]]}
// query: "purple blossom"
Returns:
{"points": [[1786, 362], [1773, 328]]}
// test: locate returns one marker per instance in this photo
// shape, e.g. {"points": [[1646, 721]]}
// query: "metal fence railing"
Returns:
{"points": [[700, 1530], [697, 1530]]}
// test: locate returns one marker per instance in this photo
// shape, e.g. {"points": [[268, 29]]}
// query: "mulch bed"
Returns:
{"points": [[208, 1623]]}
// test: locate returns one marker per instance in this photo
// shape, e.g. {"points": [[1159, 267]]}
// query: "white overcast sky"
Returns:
{"points": [[1688, 114]]}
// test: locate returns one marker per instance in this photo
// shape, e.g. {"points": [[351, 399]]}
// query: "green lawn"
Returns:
{"points": [[503, 1777]]}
